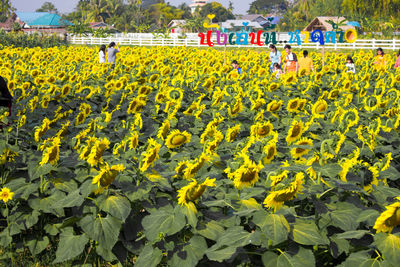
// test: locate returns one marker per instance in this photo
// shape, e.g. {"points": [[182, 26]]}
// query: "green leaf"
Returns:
{"points": [[36, 246], [329, 170], [307, 233], [304, 257], [357, 234], [117, 206], [269, 259], [70, 245], [275, 227], [361, 258], [73, 199], [190, 215], [164, 220], [192, 252], [104, 230], [221, 254], [368, 216], [212, 231], [149, 257], [389, 246], [227, 243]]}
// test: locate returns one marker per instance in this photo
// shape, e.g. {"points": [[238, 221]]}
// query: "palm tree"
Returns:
{"points": [[95, 10], [304, 6]]}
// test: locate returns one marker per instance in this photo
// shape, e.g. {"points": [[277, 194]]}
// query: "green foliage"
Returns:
{"points": [[47, 7], [220, 12], [20, 39], [267, 6]]}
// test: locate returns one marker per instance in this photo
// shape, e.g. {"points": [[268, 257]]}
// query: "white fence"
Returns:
{"points": [[148, 39]]}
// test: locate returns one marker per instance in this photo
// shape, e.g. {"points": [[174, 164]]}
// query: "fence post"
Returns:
{"points": [[162, 42], [140, 41], [335, 45], [394, 44], [373, 43], [186, 42]]}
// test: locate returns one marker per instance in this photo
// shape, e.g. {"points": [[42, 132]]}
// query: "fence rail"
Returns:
{"points": [[138, 39]]}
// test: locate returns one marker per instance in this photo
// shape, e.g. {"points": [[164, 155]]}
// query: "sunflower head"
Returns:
{"points": [[295, 131], [261, 130], [177, 138]]}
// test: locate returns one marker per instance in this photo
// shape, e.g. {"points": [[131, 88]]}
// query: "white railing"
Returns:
{"points": [[148, 39]]}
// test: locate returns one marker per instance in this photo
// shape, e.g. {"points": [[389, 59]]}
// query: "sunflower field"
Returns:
{"points": [[173, 159]]}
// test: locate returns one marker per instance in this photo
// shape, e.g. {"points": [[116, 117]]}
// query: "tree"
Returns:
{"points": [[5, 9], [187, 11], [220, 12], [163, 13], [267, 6], [47, 7]]}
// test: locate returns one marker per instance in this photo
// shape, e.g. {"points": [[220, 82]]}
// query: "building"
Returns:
{"points": [[197, 4], [237, 25], [42, 22], [252, 17], [177, 25], [321, 23]]}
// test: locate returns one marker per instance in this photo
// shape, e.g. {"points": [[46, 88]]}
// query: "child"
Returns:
{"points": [[235, 66], [277, 70], [291, 64], [102, 54], [380, 62], [350, 65], [306, 63]]}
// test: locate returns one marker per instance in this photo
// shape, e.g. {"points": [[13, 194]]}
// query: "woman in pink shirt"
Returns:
{"points": [[398, 60]]}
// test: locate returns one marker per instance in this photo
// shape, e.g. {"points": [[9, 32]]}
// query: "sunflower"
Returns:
{"points": [[275, 199], [273, 87], [349, 118], [150, 155], [135, 106], [319, 107], [298, 152], [232, 133], [164, 129], [40, 131], [293, 105], [269, 152], [177, 138], [51, 153], [193, 167], [7, 156], [274, 106], [107, 175], [97, 150], [6, 194], [333, 94], [261, 130], [295, 131], [189, 194], [247, 174], [389, 219], [45, 101], [276, 179], [133, 140]]}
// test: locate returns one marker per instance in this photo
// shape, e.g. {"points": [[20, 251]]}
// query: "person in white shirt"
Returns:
{"points": [[350, 65], [102, 54]]}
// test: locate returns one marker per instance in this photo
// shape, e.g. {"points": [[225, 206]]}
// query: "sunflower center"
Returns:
{"points": [[293, 104], [393, 220], [249, 175], [271, 152], [178, 139], [296, 130], [264, 130]]}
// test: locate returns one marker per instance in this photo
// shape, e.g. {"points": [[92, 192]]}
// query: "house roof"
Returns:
{"points": [[250, 17], [239, 23], [42, 19], [322, 24]]}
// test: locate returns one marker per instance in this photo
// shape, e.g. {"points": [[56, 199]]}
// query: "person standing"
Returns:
{"points": [[235, 66], [291, 64], [102, 54], [350, 65], [274, 57], [380, 62], [306, 63], [397, 60], [112, 53]]}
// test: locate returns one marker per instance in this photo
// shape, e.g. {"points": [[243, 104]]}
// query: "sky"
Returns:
{"points": [[66, 6]]}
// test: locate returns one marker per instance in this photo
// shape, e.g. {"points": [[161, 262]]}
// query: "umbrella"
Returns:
{"points": [[353, 23]]}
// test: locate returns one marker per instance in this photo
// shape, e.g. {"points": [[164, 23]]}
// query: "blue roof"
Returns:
{"points": [[29, 17], [42, 19]]}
